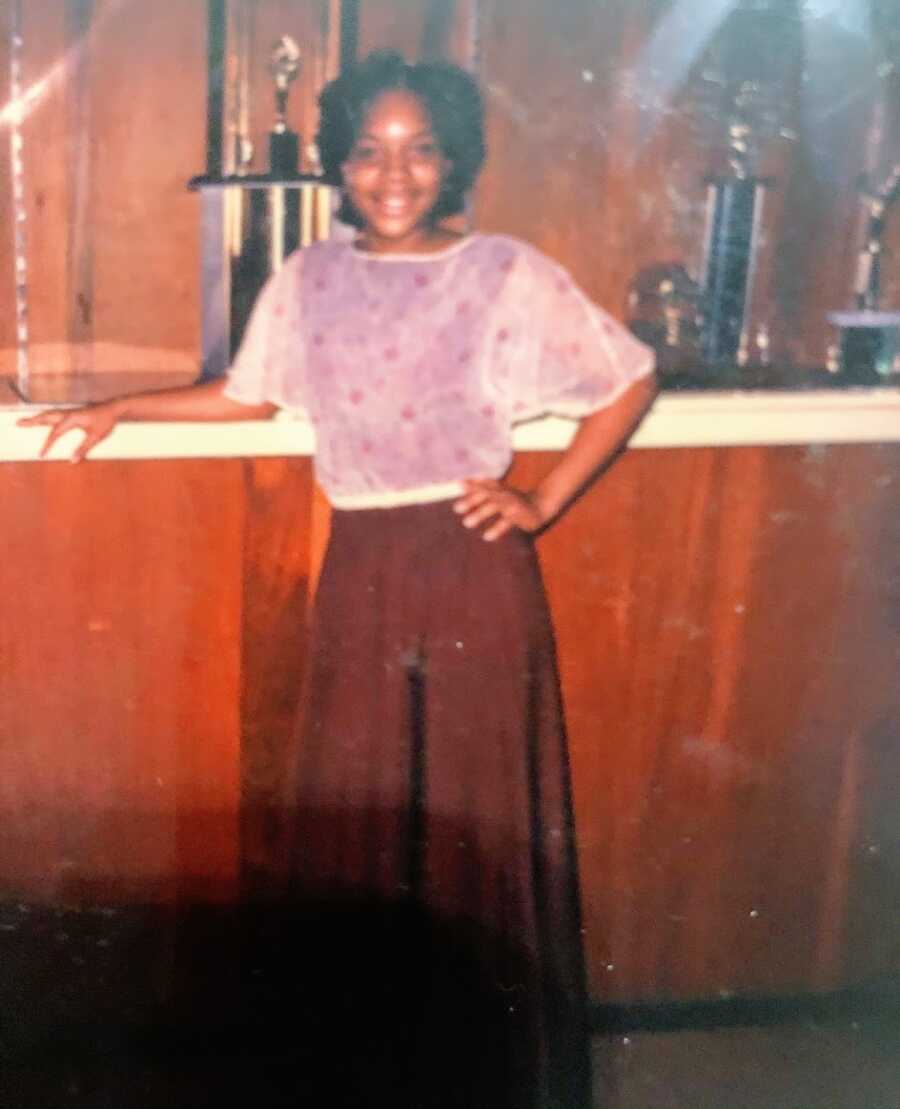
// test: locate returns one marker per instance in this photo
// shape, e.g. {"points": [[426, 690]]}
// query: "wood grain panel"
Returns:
{"points": [[420, 29], [111, 140], [7, 317], [727, 649], [563, 170], [148, 116], [80, 210], [46, 154], [278, 557], [120, 646], [727, 626], [575, 167], [391, 25]]}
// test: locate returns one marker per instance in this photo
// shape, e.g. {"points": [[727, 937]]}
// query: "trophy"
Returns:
{"points": [[664, 305], [750, 82], [284, 144], [870, 338], [878, 201], [734, 208]]}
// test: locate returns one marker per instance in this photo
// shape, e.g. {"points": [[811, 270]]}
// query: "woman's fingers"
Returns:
{"points": [[59, 428], [53, 416], [505, 508], [95, 421], [58, 421], [90, 440], [489, 507], [476, 493], [498, 530]]}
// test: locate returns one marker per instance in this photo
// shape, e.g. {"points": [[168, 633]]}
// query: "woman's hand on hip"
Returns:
{"points": [[506, 508], [96, 421]]}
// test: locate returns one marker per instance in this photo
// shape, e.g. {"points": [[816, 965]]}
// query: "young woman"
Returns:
{"points": [[431, 768]]}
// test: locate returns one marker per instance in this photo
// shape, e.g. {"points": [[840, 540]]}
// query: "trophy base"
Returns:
{"points": [[869, 346], [284, 153]]}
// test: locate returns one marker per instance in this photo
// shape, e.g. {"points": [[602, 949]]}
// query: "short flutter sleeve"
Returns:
{"points": [[269, 365], [556, 352]]}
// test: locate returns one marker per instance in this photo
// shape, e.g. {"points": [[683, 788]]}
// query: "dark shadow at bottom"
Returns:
{"points": [[338, 1002]]}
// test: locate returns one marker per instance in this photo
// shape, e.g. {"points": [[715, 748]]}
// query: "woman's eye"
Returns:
{"points": [[364, 154], [426, 149]]}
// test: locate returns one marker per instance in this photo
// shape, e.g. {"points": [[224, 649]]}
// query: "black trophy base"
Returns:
{"points": [[284, 153], [867, 354]]}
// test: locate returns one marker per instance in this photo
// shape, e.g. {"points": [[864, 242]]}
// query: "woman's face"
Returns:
{"points": [[394, 173]]}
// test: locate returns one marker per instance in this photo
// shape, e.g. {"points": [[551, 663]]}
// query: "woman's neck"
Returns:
{"points": [[430, 241]]}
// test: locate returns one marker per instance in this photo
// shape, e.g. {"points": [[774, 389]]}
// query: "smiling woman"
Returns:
{"points": [[431, 770]]}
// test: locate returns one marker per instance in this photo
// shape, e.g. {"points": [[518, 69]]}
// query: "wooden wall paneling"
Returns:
{"points": [[563, 170], [80, 211], [392, 25], [420, 28], [277, 557], [7, 280], [716, 660], [571, 170], [110, 145], [860, 696], [147, 88], [51, 57], [726, 622], [120, 643], [450, 31]]}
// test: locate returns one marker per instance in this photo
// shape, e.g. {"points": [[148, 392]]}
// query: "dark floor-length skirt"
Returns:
{"points": [[433, 821]]}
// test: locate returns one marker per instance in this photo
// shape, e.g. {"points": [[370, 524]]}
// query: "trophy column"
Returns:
{"points": [[869, 351], [734, 210]]}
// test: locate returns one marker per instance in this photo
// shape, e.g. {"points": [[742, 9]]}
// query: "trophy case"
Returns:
{"points": [[261, 194]]}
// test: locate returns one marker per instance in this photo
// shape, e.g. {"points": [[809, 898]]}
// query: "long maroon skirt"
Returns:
{"points": [[433, 808]]}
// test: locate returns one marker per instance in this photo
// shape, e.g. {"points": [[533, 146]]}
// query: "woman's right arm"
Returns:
{"points": [[194, 402]]}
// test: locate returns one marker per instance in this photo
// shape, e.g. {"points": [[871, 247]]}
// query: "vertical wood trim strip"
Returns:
{"points": [[440, 18], [349, 33], [830, 948], [18, 206], [215, 94], [331, 41], [79, 222]]}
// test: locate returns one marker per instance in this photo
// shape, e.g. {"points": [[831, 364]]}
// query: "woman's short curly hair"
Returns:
{"points": [[450, 96]]}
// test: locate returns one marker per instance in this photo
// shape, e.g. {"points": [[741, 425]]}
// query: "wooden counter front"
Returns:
{"points": [[727, 626]]}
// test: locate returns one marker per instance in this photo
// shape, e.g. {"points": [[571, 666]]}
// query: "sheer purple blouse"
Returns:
{"points": [[414, 368]]}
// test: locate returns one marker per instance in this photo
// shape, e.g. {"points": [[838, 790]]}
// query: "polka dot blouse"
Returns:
{"points": [[414, 368]]}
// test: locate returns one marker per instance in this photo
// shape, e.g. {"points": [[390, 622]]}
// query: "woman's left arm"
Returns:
{"points": [[600, 436]]}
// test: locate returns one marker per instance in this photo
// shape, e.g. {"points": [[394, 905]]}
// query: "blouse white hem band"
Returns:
{"points": [[395, 498]]}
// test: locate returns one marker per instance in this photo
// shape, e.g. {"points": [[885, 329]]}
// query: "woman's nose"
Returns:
{"points": [[396, 163]]}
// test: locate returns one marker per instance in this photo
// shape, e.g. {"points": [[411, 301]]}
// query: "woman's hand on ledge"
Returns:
{"points": [[96, 421], [204, 402]]}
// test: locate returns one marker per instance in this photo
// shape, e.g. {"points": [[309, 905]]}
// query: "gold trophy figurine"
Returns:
{"points": [[284, 144]]}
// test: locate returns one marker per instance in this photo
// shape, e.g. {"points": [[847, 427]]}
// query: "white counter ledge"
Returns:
{"points": [[688, 419]]}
